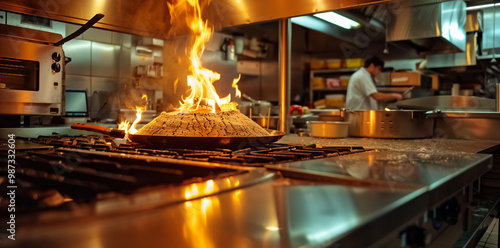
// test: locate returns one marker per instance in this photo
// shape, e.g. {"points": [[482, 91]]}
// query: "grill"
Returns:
{"points": [[84, 169], [254, 156]]}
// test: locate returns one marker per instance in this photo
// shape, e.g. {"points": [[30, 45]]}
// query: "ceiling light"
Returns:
{"points": [[337, 19], [484, 6]]}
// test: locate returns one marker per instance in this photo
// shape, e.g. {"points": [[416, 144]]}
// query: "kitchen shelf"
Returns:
{"points": [[316, 71], [331, 89], [318, 93]]}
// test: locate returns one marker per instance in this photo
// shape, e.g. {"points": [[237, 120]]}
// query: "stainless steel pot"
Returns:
{"points": [[329, 129], [395, 124], [265, 122]]}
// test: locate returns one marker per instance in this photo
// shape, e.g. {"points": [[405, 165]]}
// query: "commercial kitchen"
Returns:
{"points": [[81, 82]]}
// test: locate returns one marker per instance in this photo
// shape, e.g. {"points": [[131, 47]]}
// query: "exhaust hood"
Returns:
{"points": [[431, 28], [473, 26]]}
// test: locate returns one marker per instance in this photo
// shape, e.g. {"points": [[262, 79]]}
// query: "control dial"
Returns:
{"points": [[56, 67], [56, 57]]}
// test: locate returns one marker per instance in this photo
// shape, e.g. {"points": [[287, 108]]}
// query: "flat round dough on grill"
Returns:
{"points": [[223, 124]]}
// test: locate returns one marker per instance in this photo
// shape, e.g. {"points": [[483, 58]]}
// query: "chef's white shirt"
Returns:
{"points": [[359, 89]]}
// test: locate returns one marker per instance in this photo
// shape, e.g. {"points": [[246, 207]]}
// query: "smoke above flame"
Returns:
{"points": [[202, 96]]}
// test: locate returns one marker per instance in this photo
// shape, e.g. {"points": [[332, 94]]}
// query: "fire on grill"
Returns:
{"points": [[202, 113]]}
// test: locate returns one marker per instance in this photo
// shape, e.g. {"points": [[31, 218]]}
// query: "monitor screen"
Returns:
{"points": [[76, 103]]}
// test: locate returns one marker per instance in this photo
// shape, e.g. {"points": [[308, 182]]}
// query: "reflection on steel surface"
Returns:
{"points": [[151, 18], [388, 169], [432, 28]]}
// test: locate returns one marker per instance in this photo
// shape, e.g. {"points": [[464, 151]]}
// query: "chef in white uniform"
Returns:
{"points": [[361, 91]]}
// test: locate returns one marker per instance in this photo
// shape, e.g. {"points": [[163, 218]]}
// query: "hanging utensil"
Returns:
{"points": [[78, 32]]}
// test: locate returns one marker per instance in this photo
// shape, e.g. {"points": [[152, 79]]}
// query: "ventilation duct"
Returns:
{"points": [[431, 28]]}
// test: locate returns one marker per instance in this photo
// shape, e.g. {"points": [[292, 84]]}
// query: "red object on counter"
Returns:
{"points": [[295, 110]]}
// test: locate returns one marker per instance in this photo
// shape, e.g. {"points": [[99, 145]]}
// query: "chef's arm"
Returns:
{"points": [[385, 97]]}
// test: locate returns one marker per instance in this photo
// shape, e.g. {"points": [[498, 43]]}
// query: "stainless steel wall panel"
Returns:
{"points": [[269, 82], [248, 67], [490, 34], [79, 52], [103, 84], [125, 40], [105, 60], [75, 82], [126, 71], [98, 35]]}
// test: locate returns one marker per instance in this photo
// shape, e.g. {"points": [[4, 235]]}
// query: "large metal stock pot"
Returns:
{"points": [[391, 124]]}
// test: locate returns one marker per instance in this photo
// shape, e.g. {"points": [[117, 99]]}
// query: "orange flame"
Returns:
{"points": [[203, 97], [131, 128], [235, 85]]}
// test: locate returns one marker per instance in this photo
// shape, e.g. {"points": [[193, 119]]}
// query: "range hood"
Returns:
{"points": [[430, 28], [473, 27]]}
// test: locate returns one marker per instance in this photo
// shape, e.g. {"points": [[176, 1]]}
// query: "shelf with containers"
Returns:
{"points": [[327, 84]]}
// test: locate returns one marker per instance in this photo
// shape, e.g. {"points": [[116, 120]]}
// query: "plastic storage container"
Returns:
{"points": [[353, 63], [318, 64], [334, 63], [318, 82], [335, 100], [344, 81], [321, 103], [332, 82]]}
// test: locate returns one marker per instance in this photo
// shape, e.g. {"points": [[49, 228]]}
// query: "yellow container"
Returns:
{"points": [[353, 63], [335, 100], [344, 81], [318, 64], [318, 82], [321, 103], [334, 63]]}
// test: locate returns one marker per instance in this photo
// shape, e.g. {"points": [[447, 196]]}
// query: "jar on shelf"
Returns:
{"points": [[334, 63], [332, 82], [318, 64], [318, 82], [353, 63], [335, 100], [344, 80]]}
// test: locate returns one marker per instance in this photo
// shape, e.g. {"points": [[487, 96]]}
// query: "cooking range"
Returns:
{"points": [[88, 168], [277, 195]]}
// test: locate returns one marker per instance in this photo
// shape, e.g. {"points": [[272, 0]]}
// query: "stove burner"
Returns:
{"points": [[254, 156], [89, 168]]}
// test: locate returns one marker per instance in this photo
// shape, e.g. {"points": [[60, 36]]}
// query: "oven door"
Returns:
{"points": [[31, 81]]}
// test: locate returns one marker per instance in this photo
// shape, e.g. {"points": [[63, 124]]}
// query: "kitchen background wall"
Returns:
{"points": [[106, 64], [107, 61]]}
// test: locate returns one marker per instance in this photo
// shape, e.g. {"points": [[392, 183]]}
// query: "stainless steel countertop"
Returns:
{"points": [[279, 213], [285, 212], [431, 145]]}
